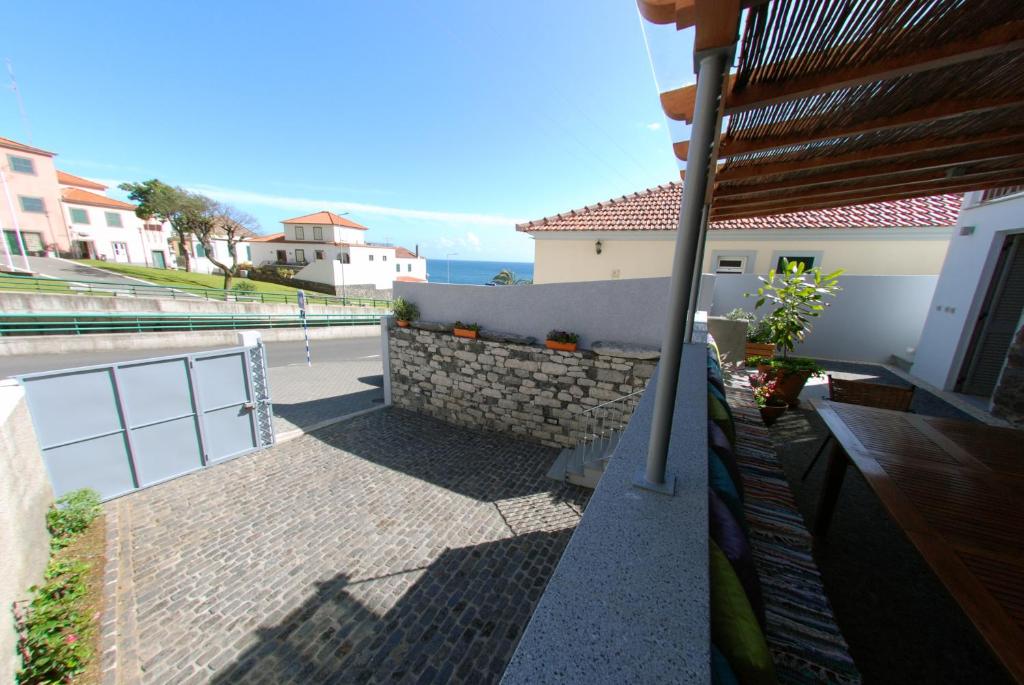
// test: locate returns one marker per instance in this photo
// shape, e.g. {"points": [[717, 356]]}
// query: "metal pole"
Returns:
{"points": [[449, 258], [691, 311], [14, 220], [702, 138]]}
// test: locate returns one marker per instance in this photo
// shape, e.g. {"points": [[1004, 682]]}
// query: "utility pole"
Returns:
{"points": [[449, 257]]}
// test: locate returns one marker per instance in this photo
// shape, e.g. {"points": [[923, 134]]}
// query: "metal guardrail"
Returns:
{"points": [[600, 426], [104, 288], [82, 323]]}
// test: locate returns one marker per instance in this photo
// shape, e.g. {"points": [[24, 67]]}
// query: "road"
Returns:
{"points": [[345, 376], [73, 271]]}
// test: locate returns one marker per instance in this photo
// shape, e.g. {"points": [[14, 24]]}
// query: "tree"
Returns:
{"points": [[217, 220], [508, 277], [797, 295], [170, 204]]}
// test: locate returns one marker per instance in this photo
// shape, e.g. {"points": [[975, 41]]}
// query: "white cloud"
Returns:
{"points": [[472, 240], [314, 204], [653, 126]]}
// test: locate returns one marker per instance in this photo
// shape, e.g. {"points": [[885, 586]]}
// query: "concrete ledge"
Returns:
{"points": [[629, 601], [59, 344]]}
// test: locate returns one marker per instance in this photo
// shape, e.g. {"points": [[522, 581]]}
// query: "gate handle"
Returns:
{"points": [[249, 406]]}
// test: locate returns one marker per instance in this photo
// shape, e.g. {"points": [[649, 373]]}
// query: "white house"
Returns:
{"points": [[634, 237], [103, 228], [326, 248], [978, 306]]}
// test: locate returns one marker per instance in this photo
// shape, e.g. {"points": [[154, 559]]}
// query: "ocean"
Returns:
{"points": [[474, 273]]}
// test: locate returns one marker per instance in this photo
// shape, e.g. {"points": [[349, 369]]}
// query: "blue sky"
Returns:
{"points": [[439, 123]]}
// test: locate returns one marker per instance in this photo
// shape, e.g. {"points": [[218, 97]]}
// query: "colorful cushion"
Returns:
{"points": [[721, 482], [734, 628], [714, 367], [730, 538], [718, 413], [717, 383], [721, 673], [718, 441], [714, 352]]}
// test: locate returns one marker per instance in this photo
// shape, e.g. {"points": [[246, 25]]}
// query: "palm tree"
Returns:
{"points": [[508, 277]]}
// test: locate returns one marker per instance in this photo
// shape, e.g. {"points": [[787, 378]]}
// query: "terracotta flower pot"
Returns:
{"points": [[760, 350], [402, 324], [771, 413], [465, 333], [563, 346], [790, 385]]}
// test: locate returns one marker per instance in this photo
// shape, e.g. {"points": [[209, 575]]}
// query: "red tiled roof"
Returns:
{"points": [[64, 178], [77, 196], [273, 237], [402, 253], [410, 279], [15, 145], [329, 218], [657, 209]]}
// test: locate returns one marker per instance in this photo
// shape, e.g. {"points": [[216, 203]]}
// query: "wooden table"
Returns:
{"points": [[957, 491]]}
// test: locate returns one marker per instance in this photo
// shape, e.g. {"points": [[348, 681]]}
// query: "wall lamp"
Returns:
{"points": [[597, 246]]}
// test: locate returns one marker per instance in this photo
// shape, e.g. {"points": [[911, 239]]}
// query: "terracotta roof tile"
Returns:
{"points": [[410, 279], [15, 145], [64, 178], [657, 209], [329, 218], [78, 196]]}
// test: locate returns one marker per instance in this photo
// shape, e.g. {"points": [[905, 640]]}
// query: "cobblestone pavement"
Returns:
{"points": [[306, 395], [391, 547]]}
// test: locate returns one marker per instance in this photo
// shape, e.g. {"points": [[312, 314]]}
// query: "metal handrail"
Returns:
{"points": [[77, 287], [79, 323], [600, 425]]}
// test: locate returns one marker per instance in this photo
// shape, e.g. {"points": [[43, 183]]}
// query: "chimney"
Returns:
{"points": [[417, 253]]}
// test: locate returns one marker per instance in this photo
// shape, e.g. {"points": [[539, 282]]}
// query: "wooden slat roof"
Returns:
{"points": [[834, 103]]}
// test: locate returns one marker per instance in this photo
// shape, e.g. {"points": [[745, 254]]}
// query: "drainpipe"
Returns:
{"points": [[682, 290]]}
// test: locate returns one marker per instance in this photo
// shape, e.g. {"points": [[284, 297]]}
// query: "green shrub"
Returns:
{"points": [[405, 310], [284, 272], [51, 633], [467, 326], [563, 336], [244, 287], [70, 515]]}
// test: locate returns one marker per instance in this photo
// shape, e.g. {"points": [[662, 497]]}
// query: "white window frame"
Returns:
{"points": [[300, 255], [31, 164], [42, 204], [732, 269], [85, 213], [120, 221], [300, 233], [318, 233], [318, 254]]}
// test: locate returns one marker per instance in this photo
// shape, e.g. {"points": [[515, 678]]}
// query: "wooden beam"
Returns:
{"points": [[920, 191], [979, 149], [678, 104], [945, 109], [872, 154], [851, 191], [1000, 39], [682, 12], [717, 22]]}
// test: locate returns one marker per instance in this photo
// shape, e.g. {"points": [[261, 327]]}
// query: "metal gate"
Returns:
{"points": [[119, 427]]}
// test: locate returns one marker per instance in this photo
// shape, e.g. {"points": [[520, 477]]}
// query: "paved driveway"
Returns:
{"points": [[392, 547]]}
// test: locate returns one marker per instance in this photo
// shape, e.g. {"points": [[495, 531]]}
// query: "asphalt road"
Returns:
{"points": [[72, 271], [279, 354]]}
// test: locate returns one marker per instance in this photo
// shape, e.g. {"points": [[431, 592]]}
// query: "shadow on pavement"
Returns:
{"points": [[311, 412]]}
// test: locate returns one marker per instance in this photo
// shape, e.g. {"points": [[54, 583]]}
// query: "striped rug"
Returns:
{"points": [[806, 644]]}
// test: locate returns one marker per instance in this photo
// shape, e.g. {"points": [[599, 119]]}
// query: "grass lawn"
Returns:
{"points": [[179, 278], [38, 285]]}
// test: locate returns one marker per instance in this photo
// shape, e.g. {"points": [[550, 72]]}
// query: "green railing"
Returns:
{"points": [[180, 292], [81, 323]]}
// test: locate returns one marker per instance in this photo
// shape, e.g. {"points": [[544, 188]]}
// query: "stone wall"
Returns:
{"points": [[25, 495], [518, 387], [366, 290], [1008, 398]]}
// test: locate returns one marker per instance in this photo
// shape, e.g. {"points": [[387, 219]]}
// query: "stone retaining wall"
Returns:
{"points": [[522, 389]]}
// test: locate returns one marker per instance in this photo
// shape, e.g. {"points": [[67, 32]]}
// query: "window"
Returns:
{"points": [[79, 216], [21, 165], [408, 267], [808, 261], [113, 219], [371, 257], [384, 258], [248, 253], [398, 268], [318, 233], [730, 265], [300, 256], [32, 204], [200, 250], [345, 258], [300, 233], [319, 254]]}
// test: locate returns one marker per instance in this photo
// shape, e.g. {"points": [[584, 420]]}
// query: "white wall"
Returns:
{"points": [[871, 319], [963, 283], [139, 241], [624, 311]]}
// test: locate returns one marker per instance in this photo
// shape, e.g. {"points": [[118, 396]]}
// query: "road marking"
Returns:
{"points": [[371, 356]]}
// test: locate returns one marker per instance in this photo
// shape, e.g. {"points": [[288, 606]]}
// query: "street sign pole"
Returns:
{"points": [[305, 326]]}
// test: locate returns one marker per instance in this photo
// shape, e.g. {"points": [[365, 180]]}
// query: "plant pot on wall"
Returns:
{"points": [[465, 333], [770, 413], [563, 346], [401, 323], [790, 382]]}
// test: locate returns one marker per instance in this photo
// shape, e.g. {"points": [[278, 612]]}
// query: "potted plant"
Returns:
{"points": [[466, 330], [405, 311], [796, 295], [759, 343], [565, 341], [772, 406]]}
